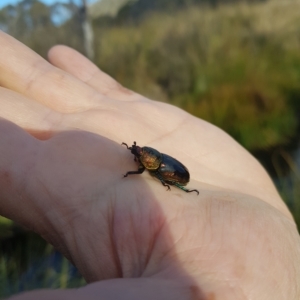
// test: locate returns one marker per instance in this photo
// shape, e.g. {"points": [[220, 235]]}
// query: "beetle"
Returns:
{"points": [[162, 166]]}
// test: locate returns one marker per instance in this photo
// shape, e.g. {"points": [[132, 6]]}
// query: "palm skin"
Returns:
{"points": [[61, 174]]}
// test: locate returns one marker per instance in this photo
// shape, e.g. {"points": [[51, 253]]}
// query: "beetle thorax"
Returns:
{"points": [[150, 158]]}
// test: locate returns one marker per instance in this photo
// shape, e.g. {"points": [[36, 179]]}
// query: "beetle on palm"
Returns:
{"points": [[162, 166]]}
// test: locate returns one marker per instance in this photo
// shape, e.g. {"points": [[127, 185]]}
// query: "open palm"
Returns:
{"points": [[61, 174]]}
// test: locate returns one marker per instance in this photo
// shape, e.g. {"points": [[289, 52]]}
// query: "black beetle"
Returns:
{"points": [[162, 166]]}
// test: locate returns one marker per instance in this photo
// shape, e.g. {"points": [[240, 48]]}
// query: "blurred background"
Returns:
{"points": [[234, 63]]}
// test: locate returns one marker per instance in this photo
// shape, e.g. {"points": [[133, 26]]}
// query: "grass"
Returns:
{"points": [[27, 262], [237, 66]]}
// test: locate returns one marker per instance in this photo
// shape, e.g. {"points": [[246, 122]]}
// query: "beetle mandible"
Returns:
{"points": [[162, 166]]}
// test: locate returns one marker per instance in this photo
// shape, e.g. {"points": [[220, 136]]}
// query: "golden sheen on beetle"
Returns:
{"points": [[167, 169]]}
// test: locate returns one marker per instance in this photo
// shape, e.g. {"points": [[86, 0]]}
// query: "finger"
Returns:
{"points": [[121, 289], [25, 72], [37, 119], [83, 69], [43, 122], [17, 153]]}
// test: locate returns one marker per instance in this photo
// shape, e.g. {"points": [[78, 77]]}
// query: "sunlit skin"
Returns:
{"points": [[61, 165]]}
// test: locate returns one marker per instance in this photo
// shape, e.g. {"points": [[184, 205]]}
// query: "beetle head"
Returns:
{"points": [[136, 150], [150, 158]]}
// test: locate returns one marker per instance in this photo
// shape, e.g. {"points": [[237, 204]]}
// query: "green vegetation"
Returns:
{"points": [[27, 262], [288, 183], [235, 66]]}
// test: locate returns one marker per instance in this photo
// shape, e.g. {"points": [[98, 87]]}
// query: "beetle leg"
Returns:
{"points": [[157, 175], [184, 189], [164, 184], [139, 171]]}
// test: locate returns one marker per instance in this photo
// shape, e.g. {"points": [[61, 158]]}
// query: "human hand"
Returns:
{"points": [[64, 180]]}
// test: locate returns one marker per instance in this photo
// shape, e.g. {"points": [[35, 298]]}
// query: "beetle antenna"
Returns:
{"points": [[126, 146]]}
